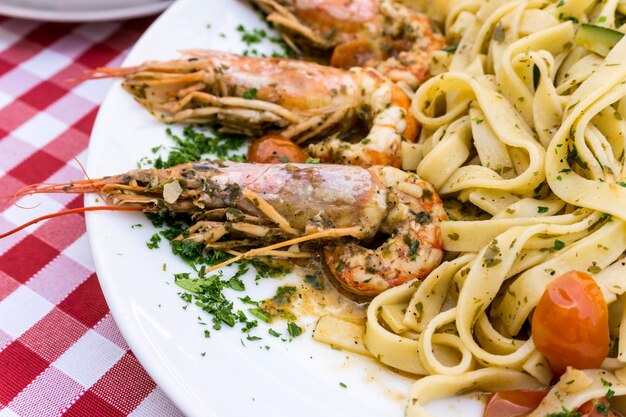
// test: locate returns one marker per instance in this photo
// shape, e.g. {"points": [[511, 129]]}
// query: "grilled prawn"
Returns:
{"points": [[299, 100], [384, 34], [264, 208]]}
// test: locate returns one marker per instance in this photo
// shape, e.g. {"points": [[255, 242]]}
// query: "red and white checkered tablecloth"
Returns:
{"points": [[60, 350]]}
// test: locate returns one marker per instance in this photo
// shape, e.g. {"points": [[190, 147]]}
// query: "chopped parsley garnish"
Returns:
{"points": [[207, 292], [194, 144], [212, 293], [310, 160], [248, 300], [602, 408], [450, 49], [594, 269], [491, 254], [273, 332], [255, 36], [558, 244], [342, 385], [236, 284], [261, 314], [265, 270], [250, 37], [250, 94], [574, 158], [315, 281], [153, 243], [565, 413], [413, 249], [542, 209], [293, 329], [284, 295]]}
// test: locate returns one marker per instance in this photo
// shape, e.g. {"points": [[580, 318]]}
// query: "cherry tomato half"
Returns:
{"points": [[570, 326], [596, 408], [513, 403], [355, 54], [521, 402], [274, 149]]}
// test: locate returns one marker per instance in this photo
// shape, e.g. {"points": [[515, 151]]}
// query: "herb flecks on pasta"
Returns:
{"points": [[525, 120]]}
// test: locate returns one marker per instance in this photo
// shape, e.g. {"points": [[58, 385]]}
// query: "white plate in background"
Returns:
{"points": [[299, 378], [81, 10]]}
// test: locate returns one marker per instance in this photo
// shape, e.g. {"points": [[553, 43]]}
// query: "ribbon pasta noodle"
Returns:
{"points": [[526, 125]]}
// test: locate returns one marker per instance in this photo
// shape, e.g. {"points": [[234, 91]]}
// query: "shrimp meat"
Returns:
{"points": [[260, 208], [387, 35], [300, 100]]}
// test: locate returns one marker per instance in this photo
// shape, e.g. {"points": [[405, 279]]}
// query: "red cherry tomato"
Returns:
{"points": [[275, 149], [570, 326], [522, 402], [596, 408], [513, 403], [355, 54]]}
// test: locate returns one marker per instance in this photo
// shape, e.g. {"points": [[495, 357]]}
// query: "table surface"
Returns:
{"points": [[61, 352]]}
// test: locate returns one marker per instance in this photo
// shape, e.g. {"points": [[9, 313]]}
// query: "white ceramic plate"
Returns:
{"points": [[80, 11], [298, 378]]}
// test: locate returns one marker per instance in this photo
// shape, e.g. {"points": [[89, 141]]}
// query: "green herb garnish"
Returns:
{"points": [[250, 94], [293, 329], [153, 243]]}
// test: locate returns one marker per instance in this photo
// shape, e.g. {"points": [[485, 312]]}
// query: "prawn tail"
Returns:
{"points": [[70, 211]]}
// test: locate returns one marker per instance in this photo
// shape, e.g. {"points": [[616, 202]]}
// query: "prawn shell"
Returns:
{"points": [[414, 247]]}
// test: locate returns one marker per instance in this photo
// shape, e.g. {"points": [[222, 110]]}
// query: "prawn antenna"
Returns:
{"points": [[82, 168], [70, 211], [27, 190], [102, 73]]}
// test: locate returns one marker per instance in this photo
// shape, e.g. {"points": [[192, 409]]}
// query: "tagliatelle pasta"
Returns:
{"points": [[528, 126]]}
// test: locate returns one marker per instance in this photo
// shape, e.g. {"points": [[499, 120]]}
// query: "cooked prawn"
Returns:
{"points": [[300, 100], [263, 208], [413, 216], [384, 34]]}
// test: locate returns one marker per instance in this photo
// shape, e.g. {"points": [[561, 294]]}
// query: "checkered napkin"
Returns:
{"points": [[60, 350]]}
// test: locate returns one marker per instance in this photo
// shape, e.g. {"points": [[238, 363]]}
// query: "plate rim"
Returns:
{"points": [[73, 16], [120, 315], [186, 397]]}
